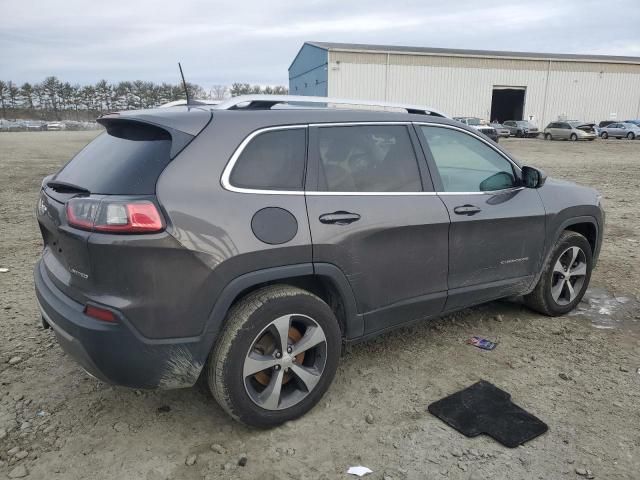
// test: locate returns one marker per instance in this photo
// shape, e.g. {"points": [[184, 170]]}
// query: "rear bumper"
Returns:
{"points": [[116, 353]]}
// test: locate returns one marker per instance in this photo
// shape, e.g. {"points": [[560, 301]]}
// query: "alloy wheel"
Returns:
{"points": [[569, 274], [285, 362]]}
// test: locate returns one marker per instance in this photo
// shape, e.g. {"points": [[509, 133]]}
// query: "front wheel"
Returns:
{"points": [[565, 276], [547, 136], [573, 137], [631, 135], [605, 135], [276, 356]]}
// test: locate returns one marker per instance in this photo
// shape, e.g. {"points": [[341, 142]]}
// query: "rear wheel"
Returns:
{"points": [[547, 136], [276, 356], [573, 137], [605, 135], [631, 135], [565, 276]]}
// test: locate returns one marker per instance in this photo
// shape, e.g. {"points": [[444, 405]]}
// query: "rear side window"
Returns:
{"points": [[273, 160], [376, 158], [125, 160]]}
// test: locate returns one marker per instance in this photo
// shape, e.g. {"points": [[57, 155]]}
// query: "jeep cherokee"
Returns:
{"points": [[248, 241]]}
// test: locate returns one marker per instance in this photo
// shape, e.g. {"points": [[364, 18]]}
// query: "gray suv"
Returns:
{"points": [[248, 242]]}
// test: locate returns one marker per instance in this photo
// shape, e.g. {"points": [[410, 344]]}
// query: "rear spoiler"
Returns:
{"points": [[182, 125]]}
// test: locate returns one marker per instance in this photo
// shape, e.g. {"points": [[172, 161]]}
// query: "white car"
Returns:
{"points": [[475, 122], [54, 126]]}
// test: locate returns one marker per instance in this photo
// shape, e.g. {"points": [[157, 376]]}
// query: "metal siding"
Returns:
{"points": [[308, 72], [463, 86]]}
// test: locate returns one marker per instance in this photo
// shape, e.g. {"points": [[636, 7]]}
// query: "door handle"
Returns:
{"points": [[339, 218], [466, 210]]}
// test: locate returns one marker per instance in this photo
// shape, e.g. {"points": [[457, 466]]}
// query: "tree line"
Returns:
{"points": [[53, 99]]}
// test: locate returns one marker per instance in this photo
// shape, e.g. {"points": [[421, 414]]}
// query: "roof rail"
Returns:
{"points": [[265, 102]]}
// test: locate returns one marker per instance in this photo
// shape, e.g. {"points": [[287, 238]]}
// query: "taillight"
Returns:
{"points": [[140, 216]]}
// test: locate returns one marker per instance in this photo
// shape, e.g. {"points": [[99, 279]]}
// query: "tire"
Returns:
{"points": [[631, 136], [548, 136], [573, 137], [604, 135], [519, 134], [253, 322], [542, 298]]}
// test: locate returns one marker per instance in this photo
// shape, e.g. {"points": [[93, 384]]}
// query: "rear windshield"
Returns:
{"points": [[125, 160]]}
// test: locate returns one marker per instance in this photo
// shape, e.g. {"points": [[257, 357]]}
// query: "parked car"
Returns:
{"points": [[621, 130], [16, 126], [34, 126], [521, 128], [146, 285], [55, 126], [605, 123], [475, 122], [501, 130], [570, 130]]}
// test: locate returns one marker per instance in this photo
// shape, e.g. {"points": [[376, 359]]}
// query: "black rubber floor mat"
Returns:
{"points": [[484, 408]]}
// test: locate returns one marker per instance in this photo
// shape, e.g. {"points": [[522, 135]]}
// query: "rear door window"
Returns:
{"points": [[273, 160], [125, 160], [367, 158]]}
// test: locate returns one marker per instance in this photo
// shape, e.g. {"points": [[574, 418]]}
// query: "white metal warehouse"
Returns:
{"points": [[488, 84]]}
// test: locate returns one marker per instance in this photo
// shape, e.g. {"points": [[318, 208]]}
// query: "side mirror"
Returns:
{"points": [[533, 177]]}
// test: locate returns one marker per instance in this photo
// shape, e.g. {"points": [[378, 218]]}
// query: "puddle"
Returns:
{"points": [[607, 312]]}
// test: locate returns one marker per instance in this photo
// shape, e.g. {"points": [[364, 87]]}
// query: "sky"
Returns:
{"points": [[83, 41]]}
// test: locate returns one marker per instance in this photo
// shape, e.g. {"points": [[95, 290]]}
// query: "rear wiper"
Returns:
{"points": [[64, 187]]}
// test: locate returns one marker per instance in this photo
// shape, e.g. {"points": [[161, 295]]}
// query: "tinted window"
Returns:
{"points": [[372, 158], [272, 161], [127, 159], [467, 164]]}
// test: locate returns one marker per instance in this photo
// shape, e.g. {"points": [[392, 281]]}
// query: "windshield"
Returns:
{"points": [[473, 121]]}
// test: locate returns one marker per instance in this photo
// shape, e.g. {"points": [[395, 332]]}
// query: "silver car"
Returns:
{"points": [[521, 128], [571, 130], [621, 130], [501, 130]]}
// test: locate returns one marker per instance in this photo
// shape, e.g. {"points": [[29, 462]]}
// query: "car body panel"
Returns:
{"points": [[508, 233]]}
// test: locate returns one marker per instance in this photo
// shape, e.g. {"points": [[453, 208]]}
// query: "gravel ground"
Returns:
{"points": [[578, 373]]}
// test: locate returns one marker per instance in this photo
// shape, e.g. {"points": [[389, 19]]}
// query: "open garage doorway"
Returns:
{"points": [[507, 103]]}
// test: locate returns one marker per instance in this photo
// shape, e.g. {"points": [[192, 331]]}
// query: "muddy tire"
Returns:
{"points": [[547, 136], [605, 135], [573, 137], [631, 136], [565, 276], [290, 332]]}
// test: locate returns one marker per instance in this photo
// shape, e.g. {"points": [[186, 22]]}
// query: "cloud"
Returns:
{"points": [[253, 41]]}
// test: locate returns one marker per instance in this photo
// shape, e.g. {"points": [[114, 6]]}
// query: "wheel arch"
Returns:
{"points": [[585, 225], [324, 280]]}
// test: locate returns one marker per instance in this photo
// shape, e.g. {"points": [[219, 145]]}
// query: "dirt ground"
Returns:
{"points": [[578, 373]]}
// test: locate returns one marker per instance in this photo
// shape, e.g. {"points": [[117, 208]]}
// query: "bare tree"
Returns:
{"points": [[219, 92]]}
